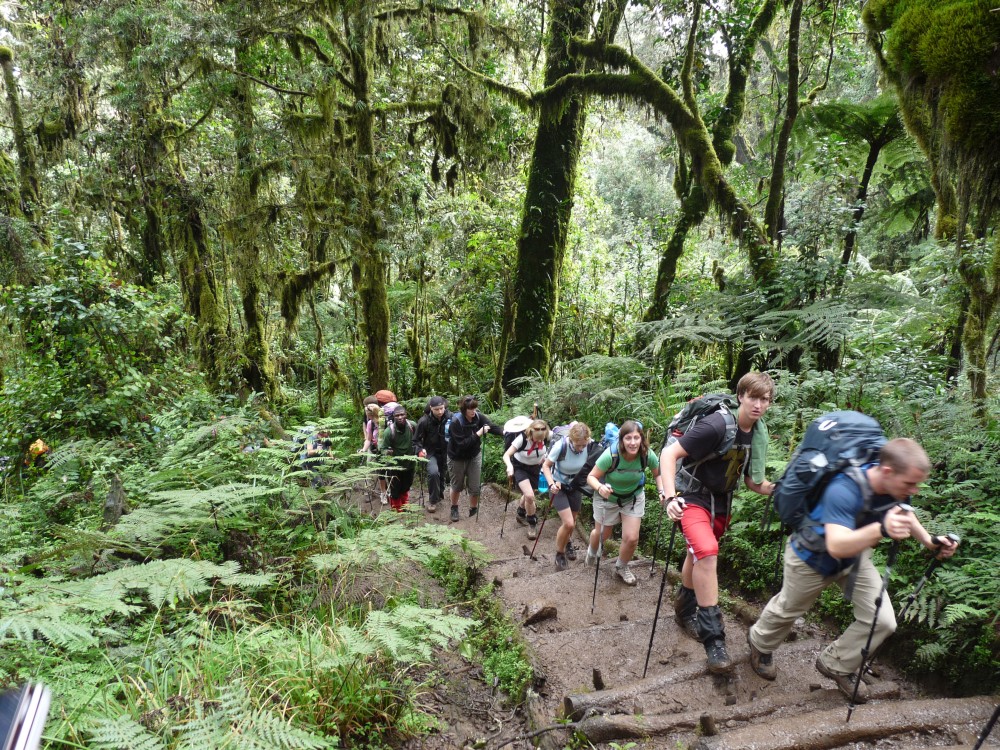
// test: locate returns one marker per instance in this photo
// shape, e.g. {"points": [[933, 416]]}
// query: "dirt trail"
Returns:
{"points": [[679, 703]]}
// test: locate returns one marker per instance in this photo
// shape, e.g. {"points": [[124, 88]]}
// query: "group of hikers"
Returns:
{"points": [[705, 455]]}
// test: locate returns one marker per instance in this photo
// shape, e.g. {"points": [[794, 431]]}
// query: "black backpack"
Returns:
{"points": [[694, 411], [841, 441]]}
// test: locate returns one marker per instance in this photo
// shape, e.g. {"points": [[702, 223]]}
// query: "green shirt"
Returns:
{"points": [[628, 476], [758, 450]]}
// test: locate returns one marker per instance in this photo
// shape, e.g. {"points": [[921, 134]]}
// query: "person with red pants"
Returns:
{"points": [[397, 443], [698, 481]]}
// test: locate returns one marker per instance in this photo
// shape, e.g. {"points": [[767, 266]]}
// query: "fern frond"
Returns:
{"points": [[122, 733], [387, 544]]}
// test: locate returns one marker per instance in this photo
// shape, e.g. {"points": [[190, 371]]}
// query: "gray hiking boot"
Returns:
{"points": [[592, 557], [454, 513], [570, 552], [432, 507], [561, 563], [845, 682], [761, 663], [719, 661], [532, 527], [626, 574]]}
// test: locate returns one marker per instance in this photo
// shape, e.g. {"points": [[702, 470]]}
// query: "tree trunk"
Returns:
{"points": [[31, 200], [776, 191], [258, 369], [548, 199], [371, 260], [694, 206]]}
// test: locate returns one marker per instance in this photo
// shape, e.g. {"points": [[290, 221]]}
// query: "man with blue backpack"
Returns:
{"points": [[711, 445], [432, 443], [846, 502]]}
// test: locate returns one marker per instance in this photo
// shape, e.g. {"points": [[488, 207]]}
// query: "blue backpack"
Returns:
{"points": [[838, 442]]}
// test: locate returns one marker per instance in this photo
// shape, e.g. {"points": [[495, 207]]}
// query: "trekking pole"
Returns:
{"points": [[920, 585], [659, 601], [541, 529], [988, 728], [597, 567], [890, 561], [506, 503], [656, 545]]}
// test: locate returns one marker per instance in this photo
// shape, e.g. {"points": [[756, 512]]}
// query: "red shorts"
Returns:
{"points": [[701, 532]]}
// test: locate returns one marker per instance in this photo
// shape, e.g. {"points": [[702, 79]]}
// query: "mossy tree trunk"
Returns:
{"points": [[257, 369], [548, 198], [31, 196]]}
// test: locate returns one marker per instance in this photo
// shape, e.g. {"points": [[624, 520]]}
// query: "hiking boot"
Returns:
{"points": [[473, 511], [522, 515], [761, 663], [719, 661], [591, 558], [686, 612], [561, 563], [454, 513], [570, 552], [845, 682], [626, 574], [532, 527], [432, 507]]}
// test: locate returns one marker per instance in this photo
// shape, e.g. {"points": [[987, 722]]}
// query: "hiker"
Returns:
{"points": [[397, 444], [370, 446], [523, 460], [847, 532], [619, 483], [700, 497], [432, 443], [566, 457], [465, 452]]}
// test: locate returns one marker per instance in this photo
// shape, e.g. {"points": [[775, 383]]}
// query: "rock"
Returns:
{"points": [[814, 686], [731, 723], [730, 701], [538, 611], [514, 574], [623, 617]]}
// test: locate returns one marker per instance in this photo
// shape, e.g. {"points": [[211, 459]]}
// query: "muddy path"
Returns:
{"points": [[678, 704]]}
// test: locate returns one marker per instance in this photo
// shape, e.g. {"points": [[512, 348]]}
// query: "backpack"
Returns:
{"points": [[841, 441], [695, 410]]}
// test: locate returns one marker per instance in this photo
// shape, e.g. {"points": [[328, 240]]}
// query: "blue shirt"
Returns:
{"points": [[842, 503]]}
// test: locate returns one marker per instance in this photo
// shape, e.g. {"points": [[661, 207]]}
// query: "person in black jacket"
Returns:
{"points": [[431, 443], [465, 452]]}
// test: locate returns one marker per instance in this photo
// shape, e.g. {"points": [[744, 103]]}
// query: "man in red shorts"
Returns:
{"points": [[699, 476]]}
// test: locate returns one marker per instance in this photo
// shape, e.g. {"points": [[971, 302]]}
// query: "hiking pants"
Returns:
{"points": [[435, 480], [799, 591], [400, 481]]}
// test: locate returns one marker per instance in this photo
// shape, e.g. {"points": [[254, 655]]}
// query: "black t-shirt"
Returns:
{"points": [[718, 475]]}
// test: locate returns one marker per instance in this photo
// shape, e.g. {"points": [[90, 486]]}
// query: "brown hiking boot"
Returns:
{"points": [[845, 682], [761, 663]]}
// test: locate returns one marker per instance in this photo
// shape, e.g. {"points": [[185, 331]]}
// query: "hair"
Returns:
{"points": [[469, 402], [628, 427], [755, 385], [372, 410], [369, 400], [903, 454], [399, 410], [578, 432], [538, 425]]}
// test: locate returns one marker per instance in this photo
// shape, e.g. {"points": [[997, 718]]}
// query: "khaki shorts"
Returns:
{"points": [[609, 512], [467, 474]]}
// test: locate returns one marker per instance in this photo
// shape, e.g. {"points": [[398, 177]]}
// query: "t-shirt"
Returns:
{"points": [[567, 467], [528, 453], [841, 503], [628, 476], [398, 439], [717, 475]]}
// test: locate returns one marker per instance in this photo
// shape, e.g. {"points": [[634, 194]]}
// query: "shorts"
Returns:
{"points": [[466, 473], [523, 471], [566, 498], [702, 532], [609, 512]]}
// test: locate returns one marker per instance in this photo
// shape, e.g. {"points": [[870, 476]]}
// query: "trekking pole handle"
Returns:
{"points": [[951, 536]]}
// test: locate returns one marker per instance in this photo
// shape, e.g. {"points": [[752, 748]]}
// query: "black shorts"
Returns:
{"points": [[522, 472], [567, 498]]}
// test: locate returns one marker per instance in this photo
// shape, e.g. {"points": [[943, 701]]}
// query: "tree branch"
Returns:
{"points": [[520, 99]]}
